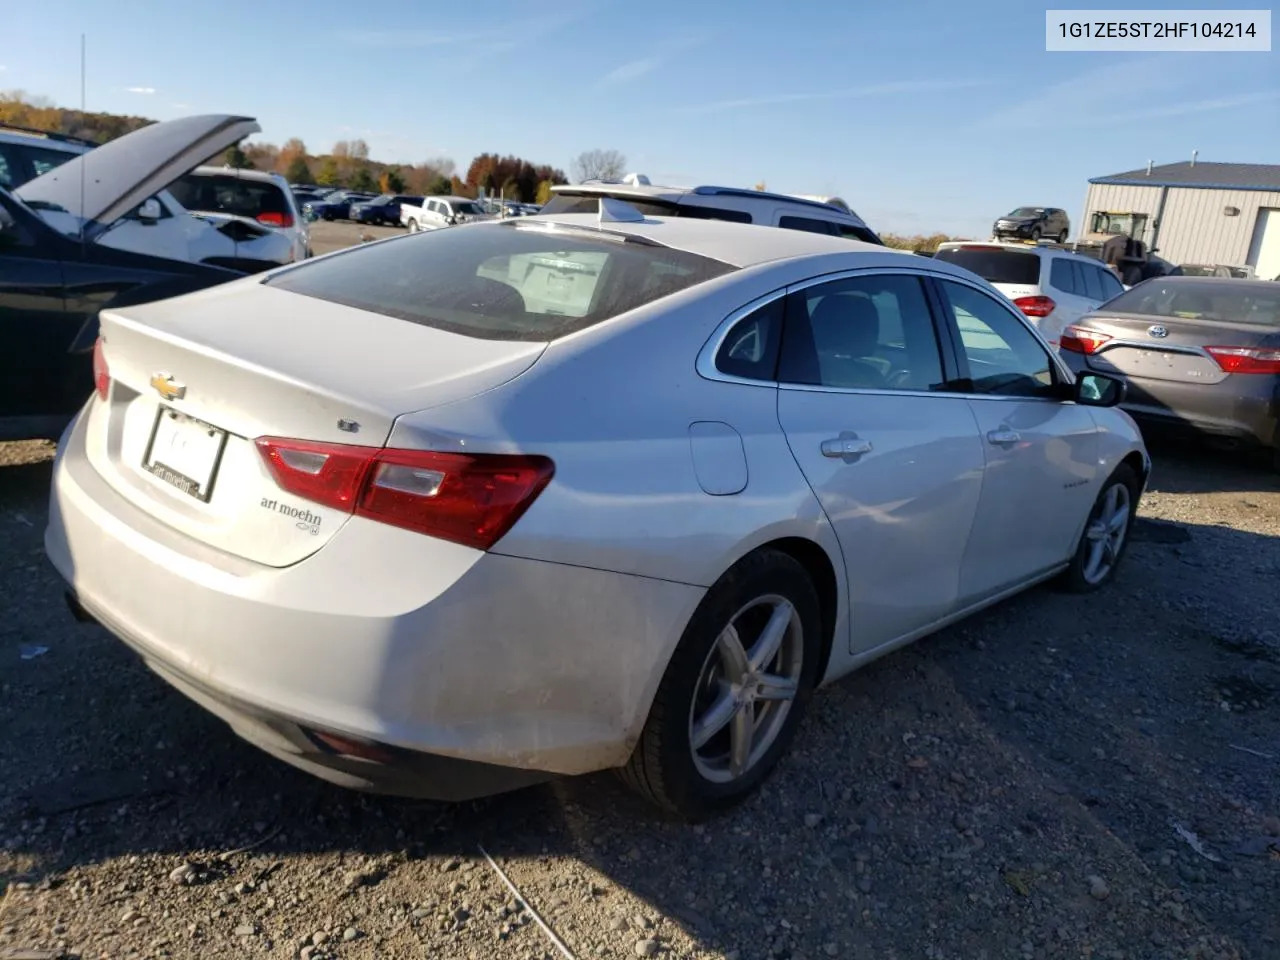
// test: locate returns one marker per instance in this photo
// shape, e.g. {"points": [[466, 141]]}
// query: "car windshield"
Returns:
{"points": [[220, 193], [470, 208], [1227, 301], [500, 281], [1197, 270], [1028, 212], [382, 198], [994, 264]]}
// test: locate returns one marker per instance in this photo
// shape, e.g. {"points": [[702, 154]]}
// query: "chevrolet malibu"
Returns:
{"points": [[456, 512]]}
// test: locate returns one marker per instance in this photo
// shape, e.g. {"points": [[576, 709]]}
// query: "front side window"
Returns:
{"points": [[42, 160], [868, 333], [1111, 287], [751, 348], [1004, 357], [501, 281], [11, 235], [1092, 282]]}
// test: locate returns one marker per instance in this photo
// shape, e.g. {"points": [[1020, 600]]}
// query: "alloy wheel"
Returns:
{"points": [[1105, 533], [746, 688]]}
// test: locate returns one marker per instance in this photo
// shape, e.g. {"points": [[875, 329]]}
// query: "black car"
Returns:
{"points": [[1033, 223], [54, 283], [382, 209], [336, 206]]}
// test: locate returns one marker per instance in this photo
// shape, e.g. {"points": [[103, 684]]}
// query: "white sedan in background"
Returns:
{"points": [[456, 512]]}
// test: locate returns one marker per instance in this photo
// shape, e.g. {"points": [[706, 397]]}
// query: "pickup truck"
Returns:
{"points": [[439, 212]]}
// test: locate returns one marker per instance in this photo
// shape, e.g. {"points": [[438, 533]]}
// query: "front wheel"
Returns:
{"points": [[729, 702], [1106, 534], [1035, 234]]}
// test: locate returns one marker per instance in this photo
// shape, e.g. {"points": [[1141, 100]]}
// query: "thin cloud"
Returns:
{"points": [[853, 93], [180, 106], [143, 90], [410, 38], [632, 70]]}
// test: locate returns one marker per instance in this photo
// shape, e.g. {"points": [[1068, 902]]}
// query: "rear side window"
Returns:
{"points": [[1092, 282], [1111, 287], [1062, 276], [223, 194], [995, 265], [501, 281], [42, 161], [568, 203], [751, 348], [699, 212], [807, 224]]}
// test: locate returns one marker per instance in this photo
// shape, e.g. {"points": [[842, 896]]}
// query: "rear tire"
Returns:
{"points": [[1062, 237], [736, 687], [413, 226], [1105, 537]]}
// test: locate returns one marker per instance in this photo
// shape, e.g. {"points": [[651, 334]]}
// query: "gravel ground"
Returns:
{"points": [[327, 236], [1058, 777]]}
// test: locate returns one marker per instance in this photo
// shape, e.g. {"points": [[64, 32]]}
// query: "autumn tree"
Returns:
{"points": [[439, 186], [599, 165], [263, 156], [460, 189], [329, 175], [544, 192], [391, 181], [363, 180], [235, 158], [288, 155], [515, 177]]}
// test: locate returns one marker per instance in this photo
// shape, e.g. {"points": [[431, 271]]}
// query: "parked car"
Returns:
{"points": [[383, 209], [1053, 287], [1215, 270], [1033, 223], [53, 284], [1200, 354], [26, 153], [335, 206], [829, 215], [159, 225], [799, 453], [437, 212], [262, 197]]}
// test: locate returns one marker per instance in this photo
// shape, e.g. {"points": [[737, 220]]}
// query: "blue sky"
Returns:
{"points": [[924, 115]]}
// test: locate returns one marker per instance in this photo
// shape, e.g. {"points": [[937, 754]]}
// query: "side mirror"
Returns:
{"points": [[149, 211], [1099, 390]]}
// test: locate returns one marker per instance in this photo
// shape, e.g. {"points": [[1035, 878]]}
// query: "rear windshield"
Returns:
{"points": [[501, 281], [995, 265], [1229, 301], [225, 194]]}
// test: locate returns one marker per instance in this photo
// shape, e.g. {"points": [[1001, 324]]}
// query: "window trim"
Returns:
{"points": [[1065, 374], [705, 364]]}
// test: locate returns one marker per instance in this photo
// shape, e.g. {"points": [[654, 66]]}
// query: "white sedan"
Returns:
{"points": [[456, 512]]}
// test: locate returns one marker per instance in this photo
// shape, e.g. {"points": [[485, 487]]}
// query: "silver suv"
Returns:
{"points": [[829, 215]]}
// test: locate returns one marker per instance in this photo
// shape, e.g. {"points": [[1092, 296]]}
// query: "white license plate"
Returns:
{"points": [[185, 452]]}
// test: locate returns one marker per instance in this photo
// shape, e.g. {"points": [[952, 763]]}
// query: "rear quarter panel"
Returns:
{"points": [[612, 406]]}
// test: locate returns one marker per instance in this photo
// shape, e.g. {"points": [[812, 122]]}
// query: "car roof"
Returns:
{"points": [[737, 244], [44, 138], [1035, 249], [264, 176], [643, 191]]}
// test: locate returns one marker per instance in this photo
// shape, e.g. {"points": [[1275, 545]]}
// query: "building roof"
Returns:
{"points": [[1202, 174]]}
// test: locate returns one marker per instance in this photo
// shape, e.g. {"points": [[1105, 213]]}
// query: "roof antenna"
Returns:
{"points": [[84, 162], [1194, 154], [1150, 163]]}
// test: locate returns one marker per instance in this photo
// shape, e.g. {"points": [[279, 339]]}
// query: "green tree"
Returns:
{"points": [[329, 175], [391, 181], [236, 158], [363, 180], [544, 192], [298, 171], [440, 185]]}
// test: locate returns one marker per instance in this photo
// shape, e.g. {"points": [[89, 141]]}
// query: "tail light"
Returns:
{"points": [[468, 498], [101, 375], [1080, 340], [1035, 306], [275, 219], [1246, 359]]}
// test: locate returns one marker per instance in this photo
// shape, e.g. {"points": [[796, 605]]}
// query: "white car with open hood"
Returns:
{"points": [[116, 196], [463, 510]]}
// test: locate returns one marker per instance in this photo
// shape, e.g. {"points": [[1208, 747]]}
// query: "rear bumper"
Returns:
{"points": [[484, 670]]}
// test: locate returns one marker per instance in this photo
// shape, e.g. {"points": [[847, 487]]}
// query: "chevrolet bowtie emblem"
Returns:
{"points": [[168, 387]]}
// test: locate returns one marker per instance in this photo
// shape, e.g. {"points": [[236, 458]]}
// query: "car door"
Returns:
{"points": [[1040, 450], [37, 379], [896, 465]]}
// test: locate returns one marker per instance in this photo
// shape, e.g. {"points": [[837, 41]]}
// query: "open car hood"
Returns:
{"points": [[117, 176]]}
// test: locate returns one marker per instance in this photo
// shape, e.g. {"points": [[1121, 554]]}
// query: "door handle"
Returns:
{"points": [[1003, 436], [840, 448]]}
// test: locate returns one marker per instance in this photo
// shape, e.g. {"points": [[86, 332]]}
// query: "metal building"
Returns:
{"points": [[1219, 213]]}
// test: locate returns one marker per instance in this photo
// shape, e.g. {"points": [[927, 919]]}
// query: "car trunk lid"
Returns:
{"points": [[195, 380], [1168, 348]]}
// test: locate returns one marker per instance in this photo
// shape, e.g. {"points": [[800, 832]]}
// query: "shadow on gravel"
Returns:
{"points": [[1012, 786], [1196, 466]]}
